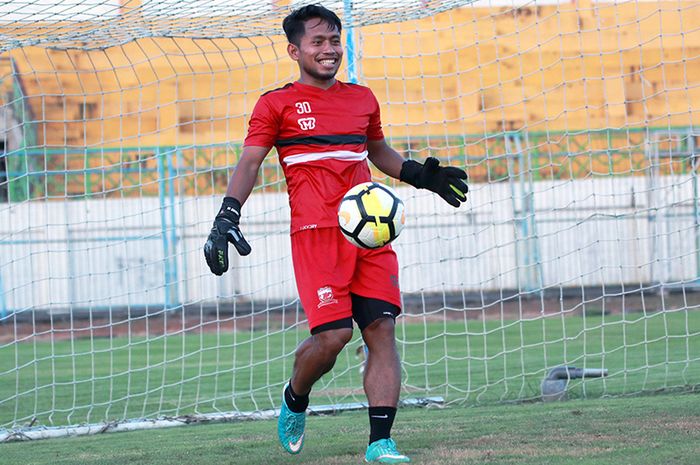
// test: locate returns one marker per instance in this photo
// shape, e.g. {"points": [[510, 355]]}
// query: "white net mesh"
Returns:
{"points": [[120, 124], [94, 24]]}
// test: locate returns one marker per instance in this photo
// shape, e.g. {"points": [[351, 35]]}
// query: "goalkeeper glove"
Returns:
{"points": [[225, 230], [446, 181]]}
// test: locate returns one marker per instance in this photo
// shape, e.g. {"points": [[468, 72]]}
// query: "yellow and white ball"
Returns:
{"points": [[371, 215]]}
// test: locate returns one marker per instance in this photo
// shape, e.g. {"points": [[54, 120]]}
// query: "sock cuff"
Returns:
{"points": [[381, 410], [297, 403]]}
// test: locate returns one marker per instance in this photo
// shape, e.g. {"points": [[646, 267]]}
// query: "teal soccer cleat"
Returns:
{"points": [[290, 428], [384, 451]]}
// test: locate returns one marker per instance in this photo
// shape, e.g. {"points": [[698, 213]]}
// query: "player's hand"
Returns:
{"points": [[225, 230], [446, 181]]}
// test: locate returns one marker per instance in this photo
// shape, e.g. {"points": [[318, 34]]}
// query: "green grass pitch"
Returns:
{"points": [[468, 362], [647, 430]]}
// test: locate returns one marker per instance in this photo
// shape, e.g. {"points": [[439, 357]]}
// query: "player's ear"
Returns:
{"points": [[293, 51]]}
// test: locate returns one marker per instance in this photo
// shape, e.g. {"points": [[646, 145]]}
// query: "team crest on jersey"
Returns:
{"points": [[325, 296], [307, 124]]}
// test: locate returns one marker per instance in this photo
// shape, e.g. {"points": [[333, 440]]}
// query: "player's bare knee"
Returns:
{"points": [[333, 341], [379, 332], [380, 325]]}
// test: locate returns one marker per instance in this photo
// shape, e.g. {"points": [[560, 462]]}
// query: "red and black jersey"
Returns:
{"points": [[321, 138]]}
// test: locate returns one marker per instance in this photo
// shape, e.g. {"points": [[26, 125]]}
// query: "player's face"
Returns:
{"points": [[319, 53]]}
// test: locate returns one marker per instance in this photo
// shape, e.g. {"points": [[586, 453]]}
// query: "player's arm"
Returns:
{"points": [[448, 182], [246, 173], [226, 224], [388, 160]]}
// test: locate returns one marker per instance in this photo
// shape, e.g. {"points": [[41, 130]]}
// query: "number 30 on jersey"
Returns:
{"points": [[303, 107]]}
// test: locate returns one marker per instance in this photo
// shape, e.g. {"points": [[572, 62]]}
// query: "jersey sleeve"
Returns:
{"points": [[374, 130], [263, 127]]}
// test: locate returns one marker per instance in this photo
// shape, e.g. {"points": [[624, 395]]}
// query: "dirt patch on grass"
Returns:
{"points": [[685, 425], [529, 450]]}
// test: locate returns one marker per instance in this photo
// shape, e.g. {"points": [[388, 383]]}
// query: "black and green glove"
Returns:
{"points": [[446, 181], [225, 230]]}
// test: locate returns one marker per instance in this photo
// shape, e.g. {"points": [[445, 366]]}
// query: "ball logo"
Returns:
{"points": [[344, 218], [325, 296]]}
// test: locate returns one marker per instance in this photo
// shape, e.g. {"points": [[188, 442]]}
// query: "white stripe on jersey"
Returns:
{"points": [[345, 155]]}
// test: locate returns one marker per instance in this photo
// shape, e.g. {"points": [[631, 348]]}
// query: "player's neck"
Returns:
{"points": [[321, 84]]}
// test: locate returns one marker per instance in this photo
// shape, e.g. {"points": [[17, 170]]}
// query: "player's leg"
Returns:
{"points": [[317, 354], [314, 358], [323, 270], [382, 375], [376, 303]]}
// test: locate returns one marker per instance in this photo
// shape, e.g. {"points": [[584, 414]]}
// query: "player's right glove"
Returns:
{"points": [[225, 230], [446, 181]]}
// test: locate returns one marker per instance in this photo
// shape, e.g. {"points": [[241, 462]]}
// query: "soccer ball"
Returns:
{"points": [[371, 215]]}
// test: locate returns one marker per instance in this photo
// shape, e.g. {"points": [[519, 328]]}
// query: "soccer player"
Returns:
{"points": [[324, 131]]}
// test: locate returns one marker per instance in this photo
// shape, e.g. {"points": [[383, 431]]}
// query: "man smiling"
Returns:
{"points": [[324, 131]]}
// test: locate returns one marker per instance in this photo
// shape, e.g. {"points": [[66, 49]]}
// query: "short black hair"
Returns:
{"points": [[294, 27]]}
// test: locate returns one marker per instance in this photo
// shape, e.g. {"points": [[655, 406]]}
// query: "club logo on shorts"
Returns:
{"points": [[325, 296]]}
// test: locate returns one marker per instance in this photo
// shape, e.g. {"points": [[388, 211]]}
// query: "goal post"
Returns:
{"points": [[578, 250]]}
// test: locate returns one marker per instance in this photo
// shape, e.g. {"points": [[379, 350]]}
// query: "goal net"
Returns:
{"points": [[121, 121]]}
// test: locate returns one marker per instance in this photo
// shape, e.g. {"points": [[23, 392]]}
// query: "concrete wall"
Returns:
{"points": [[112, 253]]}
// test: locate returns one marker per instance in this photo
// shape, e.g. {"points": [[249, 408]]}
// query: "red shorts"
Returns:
{"points": [[328, 268]]}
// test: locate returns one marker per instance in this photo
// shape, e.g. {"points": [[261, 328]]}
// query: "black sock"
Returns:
{"points": [[296, 403], [381, 420]]}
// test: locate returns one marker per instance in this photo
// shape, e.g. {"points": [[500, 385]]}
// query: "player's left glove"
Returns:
{"points": [[225, 230], [446, 181]]}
